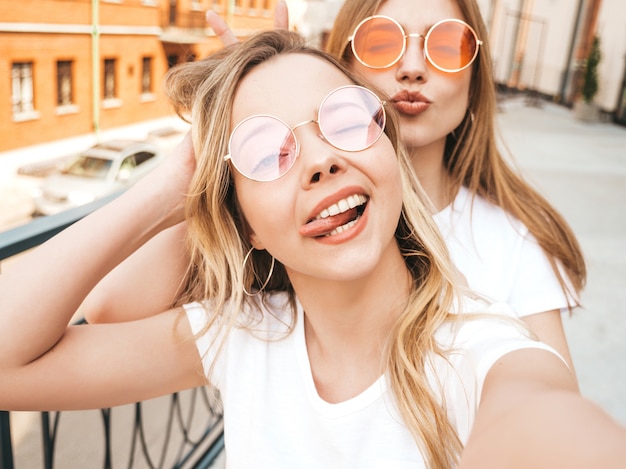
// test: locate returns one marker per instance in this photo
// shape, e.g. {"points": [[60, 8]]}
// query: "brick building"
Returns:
{"points": [[75, 67]]}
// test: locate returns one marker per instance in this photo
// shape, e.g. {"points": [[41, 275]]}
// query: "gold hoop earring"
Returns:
{"points": [[269, 275]]}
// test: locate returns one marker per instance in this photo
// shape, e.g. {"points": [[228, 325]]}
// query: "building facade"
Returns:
{"points": [[541, 46], [75, 67]]}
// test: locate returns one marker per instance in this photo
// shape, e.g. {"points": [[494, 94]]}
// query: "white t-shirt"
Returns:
{"points": [[499, 258], [274, 417]]}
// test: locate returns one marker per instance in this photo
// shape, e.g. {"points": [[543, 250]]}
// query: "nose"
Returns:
{"points": [[412, 65], [319, 160]]}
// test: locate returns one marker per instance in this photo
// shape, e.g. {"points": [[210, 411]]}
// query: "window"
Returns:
{"points": [[22, 83], [64, 83], [109, 79], [143, 156], [172, 60], [131, 166], [146, 75], [126, 168]]}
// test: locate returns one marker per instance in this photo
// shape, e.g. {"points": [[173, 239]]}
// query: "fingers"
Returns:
{"points": [[281, 15], [225, 34], [220, 27]]}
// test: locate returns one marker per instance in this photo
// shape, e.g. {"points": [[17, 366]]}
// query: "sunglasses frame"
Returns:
{"points": [[425, 46], [311, 121]]}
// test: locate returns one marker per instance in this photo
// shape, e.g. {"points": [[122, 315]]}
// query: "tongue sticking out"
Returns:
{"points": [[324, 226]]}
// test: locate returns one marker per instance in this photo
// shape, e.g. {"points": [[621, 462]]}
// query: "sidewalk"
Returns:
{"points": [[581, 169]]}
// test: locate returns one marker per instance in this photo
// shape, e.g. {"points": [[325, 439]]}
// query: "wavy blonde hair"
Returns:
{"points": [[472, 157], [218, 238]]}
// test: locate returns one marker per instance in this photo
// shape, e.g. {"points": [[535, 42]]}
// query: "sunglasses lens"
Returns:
{"points": [[378, 42], [263, 148], [352, 118], [451, 46]]}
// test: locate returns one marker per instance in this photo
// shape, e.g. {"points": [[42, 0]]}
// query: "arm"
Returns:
{"points": [[149, 280], [531, 415], [539, 298], [45, 364], [142, 285], [548, 327]]}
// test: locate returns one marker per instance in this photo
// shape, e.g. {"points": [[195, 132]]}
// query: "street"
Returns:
{"points": [[581, 169]]}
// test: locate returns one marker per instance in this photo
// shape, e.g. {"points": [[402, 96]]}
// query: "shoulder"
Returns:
{"points": [[265, 314], [488, 244], [472, 342], [221, 341], [482, 328], [474, 212], [480, 333]]}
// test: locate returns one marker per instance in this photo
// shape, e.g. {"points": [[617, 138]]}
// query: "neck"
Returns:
{"points": [[347, 324], [427, 162]]}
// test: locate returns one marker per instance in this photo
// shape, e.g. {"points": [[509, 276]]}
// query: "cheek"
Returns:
{"points": [[248, 200], [459, 87], [388, 167], [452, 100], [264, 207]]}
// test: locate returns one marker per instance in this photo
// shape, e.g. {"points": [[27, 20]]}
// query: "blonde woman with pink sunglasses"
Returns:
{"points": [[433, 62]]}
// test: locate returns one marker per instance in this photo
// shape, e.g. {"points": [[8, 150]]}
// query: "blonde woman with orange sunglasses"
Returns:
{"points": [[432, 59]]}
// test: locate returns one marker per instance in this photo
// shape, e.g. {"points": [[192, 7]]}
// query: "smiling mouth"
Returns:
{"points": [[336, 218]]}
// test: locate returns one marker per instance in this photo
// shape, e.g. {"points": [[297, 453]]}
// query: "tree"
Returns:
{"points": [[590, 76]]}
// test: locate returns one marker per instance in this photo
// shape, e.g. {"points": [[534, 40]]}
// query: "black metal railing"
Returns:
{"points": [[180, 431]]}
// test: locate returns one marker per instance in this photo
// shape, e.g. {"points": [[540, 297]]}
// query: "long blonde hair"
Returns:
{"points": [[472, 157], [205, 91]]}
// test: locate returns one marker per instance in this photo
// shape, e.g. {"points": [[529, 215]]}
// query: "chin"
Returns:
{"points": [[416, 136]]}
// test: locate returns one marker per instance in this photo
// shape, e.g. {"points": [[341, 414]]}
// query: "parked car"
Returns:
{"points": [[97, 172]]}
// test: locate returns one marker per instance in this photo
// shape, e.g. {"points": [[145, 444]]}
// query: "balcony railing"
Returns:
{"points": [[180, 431], [191, 20]]}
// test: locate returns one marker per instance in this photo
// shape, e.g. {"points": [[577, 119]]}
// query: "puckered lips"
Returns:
{"points": [[336, 217], [410, 102]]}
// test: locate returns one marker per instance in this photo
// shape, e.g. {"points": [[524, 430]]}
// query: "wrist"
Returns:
{"points": [[150, 202]]}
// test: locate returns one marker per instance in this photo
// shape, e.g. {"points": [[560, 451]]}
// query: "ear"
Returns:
{"points": [[256, 243]]}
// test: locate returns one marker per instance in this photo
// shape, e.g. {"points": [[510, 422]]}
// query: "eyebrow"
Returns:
{"points": [[260, 124], [258, 128]]}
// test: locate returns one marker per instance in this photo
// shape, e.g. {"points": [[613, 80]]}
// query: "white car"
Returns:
{"points": [[95, 173]]}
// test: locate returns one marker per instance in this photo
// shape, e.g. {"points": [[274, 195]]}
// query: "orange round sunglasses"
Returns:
{"points": [[450, 45]]}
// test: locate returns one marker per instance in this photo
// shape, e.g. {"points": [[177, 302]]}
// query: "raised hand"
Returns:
{"points": [[226, 35], [171, 179]]}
